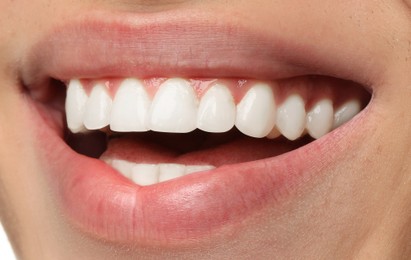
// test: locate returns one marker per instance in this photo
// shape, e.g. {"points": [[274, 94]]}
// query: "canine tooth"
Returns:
{"points": [[75, 106], [145, 174], [291, 117], [346, 112], [174, 108], [198, 168], [98, 108], [320, 118], [130, 107], [256, 112], [170, 171], [124, 167], [216, 113]]}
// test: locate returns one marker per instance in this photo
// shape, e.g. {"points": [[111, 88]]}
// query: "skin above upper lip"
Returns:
{"points": [[101, 202]]}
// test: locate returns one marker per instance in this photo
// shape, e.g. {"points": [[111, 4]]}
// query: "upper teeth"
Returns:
{"points": [[176, 107]]}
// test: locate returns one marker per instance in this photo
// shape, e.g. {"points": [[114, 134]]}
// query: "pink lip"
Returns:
{"points": [[104, 204], [172, 44]]}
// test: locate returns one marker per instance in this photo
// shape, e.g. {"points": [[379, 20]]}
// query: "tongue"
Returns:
{"points": [[196, 149]]}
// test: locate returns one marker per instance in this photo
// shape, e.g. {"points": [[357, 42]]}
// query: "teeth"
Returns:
{"points": [[346, 112], [256, 111], [170, 171], [198, 168], [149, 174], [320, 118], [174, 108], [217, 111], [130, 107], [75, 106], [98, 108], [145, 174], [291, 117], [124, 167]]}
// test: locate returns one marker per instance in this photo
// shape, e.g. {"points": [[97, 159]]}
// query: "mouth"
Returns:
{"points": [[150, 144], [159, 129]]}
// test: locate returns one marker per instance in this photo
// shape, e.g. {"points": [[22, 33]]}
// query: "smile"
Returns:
{"points": [[153, 133], [255, 109]]}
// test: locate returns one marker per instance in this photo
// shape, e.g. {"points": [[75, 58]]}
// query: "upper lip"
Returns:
{"points": [[172, 44]]}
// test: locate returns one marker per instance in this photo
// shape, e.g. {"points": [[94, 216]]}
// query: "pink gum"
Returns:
{"points": [[310, 88]]}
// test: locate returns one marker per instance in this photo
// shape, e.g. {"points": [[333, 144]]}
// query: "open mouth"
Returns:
{"points": [[160, 129], [163, 146]]}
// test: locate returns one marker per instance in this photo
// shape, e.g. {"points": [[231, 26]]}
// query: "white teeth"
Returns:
{"points": [[291, 117], [216, 113], [170, 171], [98, 108], [346, 112], [75, 106], [145, 174], [320, 118], [124, 167], [198, 168], [256, 111], [149, 174], [130, 107], [174, 108]]}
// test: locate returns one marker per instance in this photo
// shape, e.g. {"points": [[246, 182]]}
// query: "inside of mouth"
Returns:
{"points": [[176, 153]]}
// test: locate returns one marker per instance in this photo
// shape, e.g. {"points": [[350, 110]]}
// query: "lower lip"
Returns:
{"points": [[107, 206]]}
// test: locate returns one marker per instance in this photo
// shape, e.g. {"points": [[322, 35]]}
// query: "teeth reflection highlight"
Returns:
{"points": [[175, 108], [150, 174]]}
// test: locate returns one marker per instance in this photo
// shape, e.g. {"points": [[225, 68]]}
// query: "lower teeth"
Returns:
{"points": [[149, 174]]}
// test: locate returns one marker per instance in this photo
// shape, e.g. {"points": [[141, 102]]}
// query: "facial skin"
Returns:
{"points": [[359, 206]]}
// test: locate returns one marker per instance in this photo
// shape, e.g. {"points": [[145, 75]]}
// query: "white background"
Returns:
{"points": [[5, 250]]}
